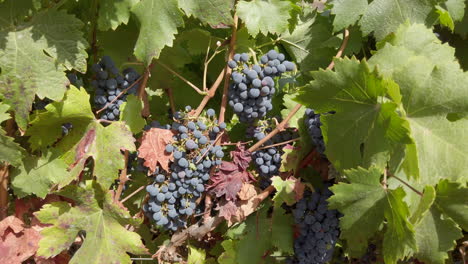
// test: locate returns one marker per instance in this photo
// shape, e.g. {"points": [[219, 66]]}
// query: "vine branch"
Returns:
{"points": [[142, 93], [278, 128], [122, 179], [182, 78], [119, 95], [228, 70]]}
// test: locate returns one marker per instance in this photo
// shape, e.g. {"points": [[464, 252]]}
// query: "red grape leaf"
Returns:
{"points": [[241, 157], [153, 146], [17, 243], [227, 209], [228, 180]]}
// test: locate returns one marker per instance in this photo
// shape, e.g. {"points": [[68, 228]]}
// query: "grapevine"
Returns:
{"points": [[233, 132]]}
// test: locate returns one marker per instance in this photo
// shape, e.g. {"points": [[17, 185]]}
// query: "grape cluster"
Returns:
{"points": [[313, 124], [268, 160], [109, 83], [318, 228], [253, 85], [75, 80], [66, 127], [173, 194]]}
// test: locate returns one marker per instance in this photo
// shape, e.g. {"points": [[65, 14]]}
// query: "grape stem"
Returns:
{"points": [[281, 126], [119, 95], [145, 112], [182, 78], [228, 70], [207, 62], [5, 173], [236, 143], [226, 73], [341, 50], [132, 194], [122, 179], [209, 95], [171, 99], [210, 147], [279, 144], [95, 11], [406, 184]]}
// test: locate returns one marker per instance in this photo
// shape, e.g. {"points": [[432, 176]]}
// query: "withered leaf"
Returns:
{"points": [[152, 148]]}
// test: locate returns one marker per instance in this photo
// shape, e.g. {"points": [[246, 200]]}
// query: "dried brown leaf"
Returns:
{"points": [[247, 191], [152, 149], [17, 243]]}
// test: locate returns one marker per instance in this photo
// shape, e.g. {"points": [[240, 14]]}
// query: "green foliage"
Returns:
{"points": [[212, 12], [260, 16], [396, 141], [159, 20], [431, 84], [357, 94], [34, 56], [347, 12], [95, 213], [130, 114], [37, 175], [10, 151], [196, 256], [365, 204], [113, 13], [46, 126]]}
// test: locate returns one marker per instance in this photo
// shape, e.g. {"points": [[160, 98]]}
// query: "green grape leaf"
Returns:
{"points": [[229, 255], [112, 13], [196, 256], [435, 234], [10, 151], [14, 11], [117, 49], [365, 127], [131, 114], [365, 204], [282, 231], [159, 20], [287, 191], [213, 12], [38, 175], [432, 87], [95, 213], [452, 199], [46, 128], [461, 27], [244, 41], [385, 16], [289, 104], [445, 18], [313, 33], [424, 205], [456, 9], [257, 16], [257, 238], [104, 145], [33, 57], [347, 12]]}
